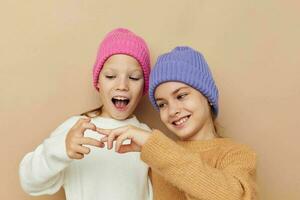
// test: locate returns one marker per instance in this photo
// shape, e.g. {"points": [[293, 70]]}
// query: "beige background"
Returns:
{"points": [[47, 50]]}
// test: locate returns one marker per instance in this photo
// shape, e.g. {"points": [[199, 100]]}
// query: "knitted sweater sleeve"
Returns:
{"points": [[233, 179], [41, 171]]}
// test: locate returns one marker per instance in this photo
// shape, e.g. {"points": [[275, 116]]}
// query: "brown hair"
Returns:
{"points": [[216, 124], [93, 113]]}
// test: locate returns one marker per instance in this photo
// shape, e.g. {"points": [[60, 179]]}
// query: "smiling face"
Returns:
{"points": [[185, 111], [120, 86]]}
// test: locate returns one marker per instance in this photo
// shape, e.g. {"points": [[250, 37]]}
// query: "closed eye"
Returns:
{"points": [[110, 77], [134, 78]]}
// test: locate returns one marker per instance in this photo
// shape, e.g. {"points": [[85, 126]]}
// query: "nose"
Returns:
{"points": [[174, 109], [122, 84]]}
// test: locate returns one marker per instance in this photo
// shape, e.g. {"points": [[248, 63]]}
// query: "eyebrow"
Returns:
{"points": [[136, 70], [174, 92], [109, 69]]}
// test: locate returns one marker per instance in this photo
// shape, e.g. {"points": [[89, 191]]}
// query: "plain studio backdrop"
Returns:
{"points": [[47, 51]]}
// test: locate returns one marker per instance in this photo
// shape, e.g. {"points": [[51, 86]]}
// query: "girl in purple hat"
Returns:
{"points": [[73, 155], [201, 164]]}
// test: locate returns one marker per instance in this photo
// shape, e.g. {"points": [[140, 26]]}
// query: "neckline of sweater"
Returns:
{"points": [[106, 120], [203, 144]]}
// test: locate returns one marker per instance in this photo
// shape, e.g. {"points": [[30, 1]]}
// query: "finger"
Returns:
{"points": [[90, 141], [82, 150], [82, 126], [77, 156], [128, 148], [115, 130], [111, 134], [88, 125], [82, 120], [104, 139], [110, 140], [103, 131], [74, 155], [76, 128], [85, 117], [121, 139]]}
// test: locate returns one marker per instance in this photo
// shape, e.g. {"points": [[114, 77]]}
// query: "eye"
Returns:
{"points": [[181, 96], [161, 105], [110, 76], [134, 78]]}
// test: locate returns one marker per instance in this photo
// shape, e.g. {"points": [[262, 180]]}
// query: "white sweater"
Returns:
{"points": [[102, 174]]}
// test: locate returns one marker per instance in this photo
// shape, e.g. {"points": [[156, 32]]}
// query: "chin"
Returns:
{"points": [[184, 134], [121, 116]]}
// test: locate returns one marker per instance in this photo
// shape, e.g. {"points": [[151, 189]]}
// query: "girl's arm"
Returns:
{"points": [[41, 171], [187, 171], [184, 169]]}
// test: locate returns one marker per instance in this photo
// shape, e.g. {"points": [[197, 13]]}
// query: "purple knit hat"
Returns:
{"points": [[186, 65], [123, 41]]}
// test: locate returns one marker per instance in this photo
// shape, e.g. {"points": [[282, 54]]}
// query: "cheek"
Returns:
{"points": [[163, 116], [103, 97], [202, 111], [137, 88], [194, 104], [101, 85], [103, 91], [100, 80], [205, 106]]}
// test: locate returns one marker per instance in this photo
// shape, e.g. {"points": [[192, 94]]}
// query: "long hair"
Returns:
{"points": [[93, 113], [216, 124]]}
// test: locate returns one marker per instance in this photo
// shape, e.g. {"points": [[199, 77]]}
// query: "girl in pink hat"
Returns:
{"points": [[73, 156]]}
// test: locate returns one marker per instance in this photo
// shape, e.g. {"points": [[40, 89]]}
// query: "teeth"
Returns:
{"points": [[181, 121], [120, 98]]}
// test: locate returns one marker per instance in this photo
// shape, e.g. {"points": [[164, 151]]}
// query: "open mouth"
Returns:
{"points": [[120, 102], [180, 122]]}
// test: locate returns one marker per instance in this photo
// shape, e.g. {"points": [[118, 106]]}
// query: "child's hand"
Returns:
{"points": [[137, 136], [75, 139]]}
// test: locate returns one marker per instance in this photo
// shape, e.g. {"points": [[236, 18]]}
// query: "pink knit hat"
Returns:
{"points": [[123, 41]]}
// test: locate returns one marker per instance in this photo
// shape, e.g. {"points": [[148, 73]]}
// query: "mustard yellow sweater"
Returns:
{"points": [[217, 169]]}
